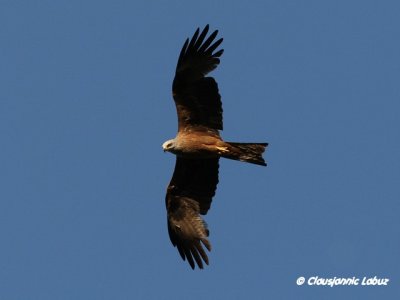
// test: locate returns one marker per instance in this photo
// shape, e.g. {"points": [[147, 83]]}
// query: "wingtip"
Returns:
{"points": [[192, 264], [206, 243]]}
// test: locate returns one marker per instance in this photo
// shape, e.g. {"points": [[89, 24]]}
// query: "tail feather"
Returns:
{"points": [[247, 152]]}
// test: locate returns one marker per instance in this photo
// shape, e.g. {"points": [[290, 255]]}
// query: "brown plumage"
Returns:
{"points": [[198, 147], [189, 194]]}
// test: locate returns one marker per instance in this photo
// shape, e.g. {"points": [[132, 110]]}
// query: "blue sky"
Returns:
{"points": [[86, 103]]}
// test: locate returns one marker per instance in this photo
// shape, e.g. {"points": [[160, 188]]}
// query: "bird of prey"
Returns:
{"points": [[198, 147]]}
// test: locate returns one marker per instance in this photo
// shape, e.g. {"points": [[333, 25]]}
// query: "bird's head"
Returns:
{"points": [[168, 145]]}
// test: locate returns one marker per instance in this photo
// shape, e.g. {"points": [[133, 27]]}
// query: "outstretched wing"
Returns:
{"points": [[197, 100], [189, 194]]}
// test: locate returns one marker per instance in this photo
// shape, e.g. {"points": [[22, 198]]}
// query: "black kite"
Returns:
{"points": [[198, 147]]}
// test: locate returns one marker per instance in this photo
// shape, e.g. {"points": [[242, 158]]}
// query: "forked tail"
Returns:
{"points": [[247, 152]]}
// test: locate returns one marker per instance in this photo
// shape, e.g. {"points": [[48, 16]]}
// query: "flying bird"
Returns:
{"points": [[198, 147]]}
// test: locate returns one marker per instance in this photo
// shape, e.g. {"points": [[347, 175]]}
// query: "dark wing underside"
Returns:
{"points": [[197, 100], [189, 194]]}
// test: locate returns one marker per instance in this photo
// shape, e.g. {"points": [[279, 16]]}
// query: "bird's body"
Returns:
{"points": [[198, 144], [203, 144], [198, 147]]}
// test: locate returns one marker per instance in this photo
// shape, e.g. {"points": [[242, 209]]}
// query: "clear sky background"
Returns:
{"points": [[85, 104]]}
